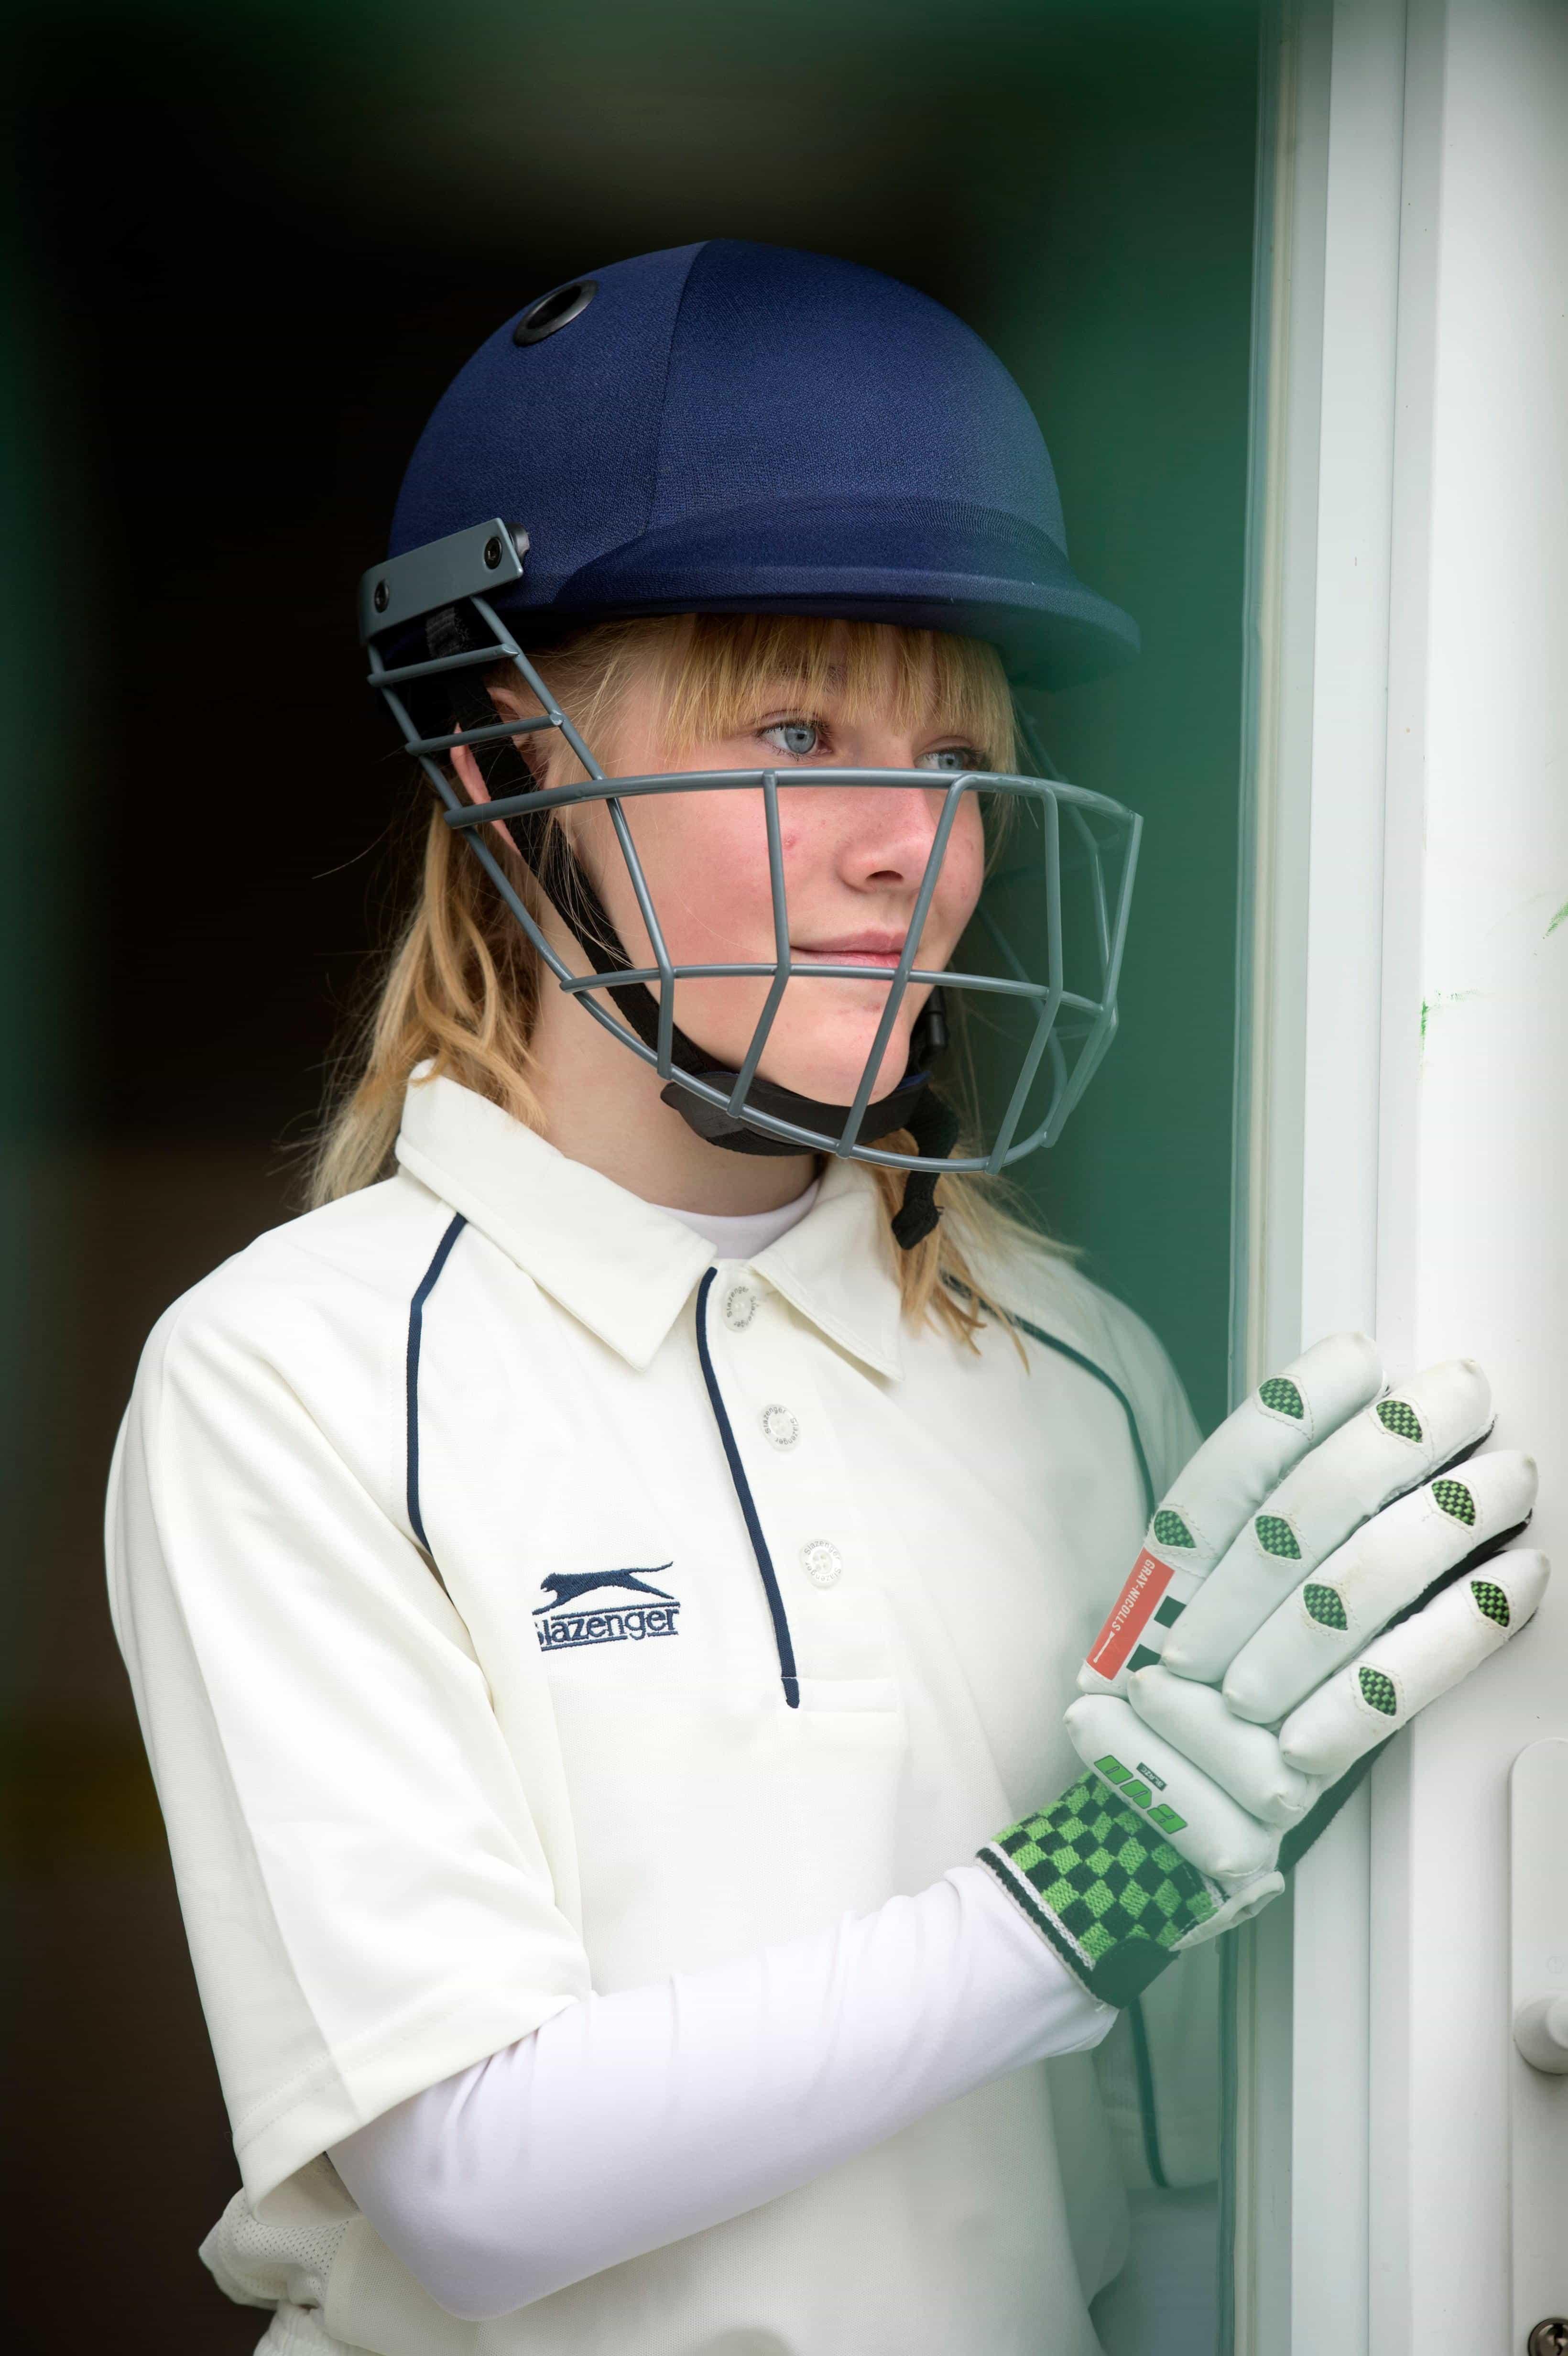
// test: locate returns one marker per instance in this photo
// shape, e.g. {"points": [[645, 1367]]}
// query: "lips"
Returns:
{"points": [[881, 950]]}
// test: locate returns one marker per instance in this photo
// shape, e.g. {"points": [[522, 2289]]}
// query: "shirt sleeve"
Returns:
{"points": [[367, 1899], [632, 2120]]}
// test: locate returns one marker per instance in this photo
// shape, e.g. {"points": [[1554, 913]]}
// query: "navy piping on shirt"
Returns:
{"points": [[1065, 1350], [1143, 2066], [747, 1503], [426, 1286]]}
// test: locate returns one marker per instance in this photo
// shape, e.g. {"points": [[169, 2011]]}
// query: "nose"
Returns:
{"points": [[888, 835]]}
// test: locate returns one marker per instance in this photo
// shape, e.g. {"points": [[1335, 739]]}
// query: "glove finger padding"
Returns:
{"points": [[1277, 1779], [1217, 1492], [1388, 1564], [1244, 1759], [1411, 1664], [1380, 1453]]}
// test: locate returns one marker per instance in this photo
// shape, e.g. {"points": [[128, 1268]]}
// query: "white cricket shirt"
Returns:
{"points": [[519, 1603]]}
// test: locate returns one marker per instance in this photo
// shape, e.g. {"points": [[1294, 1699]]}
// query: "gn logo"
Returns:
{"points": [[563, 1626], [1137, 1792]]}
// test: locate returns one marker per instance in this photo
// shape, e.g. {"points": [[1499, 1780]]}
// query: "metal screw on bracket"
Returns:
{"points": [[1550, 2338]]}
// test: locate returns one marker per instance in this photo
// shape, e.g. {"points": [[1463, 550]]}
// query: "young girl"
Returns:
{"points": [[593, 1583]]}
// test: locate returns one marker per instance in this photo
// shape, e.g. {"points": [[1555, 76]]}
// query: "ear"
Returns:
{"points": [[470, 776], [465, 768], [467, 772], [497, 704]]}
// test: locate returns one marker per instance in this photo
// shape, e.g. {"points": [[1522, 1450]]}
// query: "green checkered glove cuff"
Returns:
{"points": [[1109, 1895]]}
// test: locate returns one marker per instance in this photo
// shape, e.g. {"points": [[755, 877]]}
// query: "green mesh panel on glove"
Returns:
{"points": [[1492, 1601], [1325, 1605], [1455, 1499], [1102, 1887], [1378, 1690]]}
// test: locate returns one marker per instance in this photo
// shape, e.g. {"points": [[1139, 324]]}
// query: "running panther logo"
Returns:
{"points": [[566, 1586]]}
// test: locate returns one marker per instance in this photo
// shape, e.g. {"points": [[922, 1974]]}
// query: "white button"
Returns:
{"points": [[740, 1307], [780, 1427], [822, 1560]]}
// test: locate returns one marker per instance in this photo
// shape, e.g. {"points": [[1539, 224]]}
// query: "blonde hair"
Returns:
{"points": [[460, 987]]}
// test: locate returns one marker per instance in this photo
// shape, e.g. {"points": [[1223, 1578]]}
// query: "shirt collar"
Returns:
{"points": [[836, 1269], [622, 1267]]}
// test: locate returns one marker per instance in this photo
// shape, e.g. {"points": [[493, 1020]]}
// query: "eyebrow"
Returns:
{"points": [[799, 682]]}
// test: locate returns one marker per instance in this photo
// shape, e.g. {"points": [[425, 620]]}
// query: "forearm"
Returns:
{"points": [[632, 2120]]}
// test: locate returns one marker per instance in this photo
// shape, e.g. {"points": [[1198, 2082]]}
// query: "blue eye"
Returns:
{"points": [[799, 738], [952, 760]]}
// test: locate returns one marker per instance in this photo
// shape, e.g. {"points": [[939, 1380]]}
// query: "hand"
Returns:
{"points": [[1311, 1580]]}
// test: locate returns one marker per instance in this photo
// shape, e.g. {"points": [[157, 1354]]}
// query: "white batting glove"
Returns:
{"points": [[1318, 1574], [1320, 1513]]}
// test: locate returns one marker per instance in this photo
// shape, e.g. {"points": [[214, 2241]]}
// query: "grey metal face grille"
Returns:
{"points": [[1065, 876]]}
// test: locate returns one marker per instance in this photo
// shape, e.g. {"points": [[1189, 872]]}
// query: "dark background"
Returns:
{"points": [[250, 245]]}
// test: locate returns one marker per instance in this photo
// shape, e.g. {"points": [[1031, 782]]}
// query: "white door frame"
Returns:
{"points": [[1401, 1075]]}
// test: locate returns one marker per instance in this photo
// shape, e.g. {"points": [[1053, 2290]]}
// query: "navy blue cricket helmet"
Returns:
{"points": [[729, 427], [736, 428]]}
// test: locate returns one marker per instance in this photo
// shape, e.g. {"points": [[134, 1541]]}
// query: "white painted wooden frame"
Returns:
{"points": [[1402, 1080]]}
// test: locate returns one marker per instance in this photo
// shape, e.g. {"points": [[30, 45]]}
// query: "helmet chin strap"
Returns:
{"points": [[570, 892]]}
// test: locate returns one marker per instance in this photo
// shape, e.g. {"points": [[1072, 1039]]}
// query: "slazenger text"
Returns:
{"points": [[565, 1629]]}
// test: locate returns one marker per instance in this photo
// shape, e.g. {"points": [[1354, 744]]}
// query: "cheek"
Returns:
{"points": [[963, 873], [704, 858]]}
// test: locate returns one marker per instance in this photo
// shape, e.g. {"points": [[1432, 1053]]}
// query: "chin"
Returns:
{"points": [[830, 1075]]}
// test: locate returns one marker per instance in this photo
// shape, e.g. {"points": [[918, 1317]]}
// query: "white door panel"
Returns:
{"points": [[1404, 1085]]}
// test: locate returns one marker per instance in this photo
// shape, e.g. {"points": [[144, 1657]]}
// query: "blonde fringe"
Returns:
{"points": [[459, 989]]}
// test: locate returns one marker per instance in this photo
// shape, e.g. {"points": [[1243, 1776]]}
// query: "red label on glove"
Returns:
{"points": [[1135, 1608]]}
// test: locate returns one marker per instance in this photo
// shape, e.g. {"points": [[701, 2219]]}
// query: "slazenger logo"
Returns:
{"points": [[562, 1625]]}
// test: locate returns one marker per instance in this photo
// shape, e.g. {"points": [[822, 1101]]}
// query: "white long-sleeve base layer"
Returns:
{"points": [[631, 2120]]}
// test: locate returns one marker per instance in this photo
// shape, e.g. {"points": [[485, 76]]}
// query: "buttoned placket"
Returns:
{"points": [[787, 1460]]}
